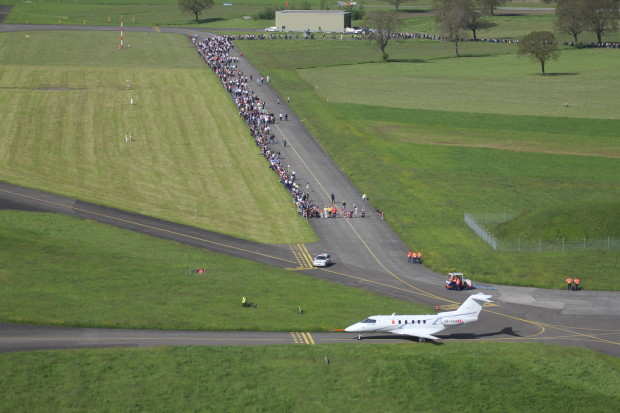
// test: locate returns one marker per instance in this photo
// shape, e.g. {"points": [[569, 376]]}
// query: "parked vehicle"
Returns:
{"points": [[322, 260], [455, 281]]}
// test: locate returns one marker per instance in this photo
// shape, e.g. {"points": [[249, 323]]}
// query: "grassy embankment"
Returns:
{"points": [[67, 110], [492, 377], [435, 137]]}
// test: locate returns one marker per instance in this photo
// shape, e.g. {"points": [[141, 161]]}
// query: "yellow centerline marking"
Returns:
{"points": [[542, 326], [422, 292], [417, 290]]}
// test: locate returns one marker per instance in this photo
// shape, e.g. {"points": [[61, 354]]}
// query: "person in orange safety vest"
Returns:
{"points": [[569, 283]]}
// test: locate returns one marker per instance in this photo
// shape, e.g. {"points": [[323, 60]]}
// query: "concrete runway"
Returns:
{"points": [[366, 252]]}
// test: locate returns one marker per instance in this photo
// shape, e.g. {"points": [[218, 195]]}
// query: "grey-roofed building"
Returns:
{"points": [[313, 20]]}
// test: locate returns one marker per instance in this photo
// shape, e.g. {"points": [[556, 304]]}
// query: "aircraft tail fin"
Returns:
{"points": [[474, 303]]}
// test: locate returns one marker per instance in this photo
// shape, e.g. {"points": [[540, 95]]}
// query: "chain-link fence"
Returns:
{"points": [[528, 245]]}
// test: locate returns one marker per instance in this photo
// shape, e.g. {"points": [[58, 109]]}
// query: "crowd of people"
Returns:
{"points": [[361, 36], [215, 51], [580, 45], [405, 36], [414, 257]]}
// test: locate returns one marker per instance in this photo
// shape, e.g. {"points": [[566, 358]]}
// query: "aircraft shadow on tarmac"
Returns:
{"points": [[471, 336], [458, 336]]}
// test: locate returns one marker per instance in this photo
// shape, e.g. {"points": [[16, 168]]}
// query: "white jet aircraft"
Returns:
{"points": [[422, 326]]}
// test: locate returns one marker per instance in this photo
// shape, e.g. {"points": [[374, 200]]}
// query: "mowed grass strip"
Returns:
{"points": [[294, 378], [535, 133], [193, 160], [59, 270]]}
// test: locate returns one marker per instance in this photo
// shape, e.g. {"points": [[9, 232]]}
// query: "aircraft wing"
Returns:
{"points": [[421, 332]]}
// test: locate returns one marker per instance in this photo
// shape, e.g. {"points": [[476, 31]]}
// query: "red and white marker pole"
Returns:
{"points": [[121, 46]]}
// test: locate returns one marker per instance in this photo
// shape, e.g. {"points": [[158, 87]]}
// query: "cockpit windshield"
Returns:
{"points": [[369, 321]]}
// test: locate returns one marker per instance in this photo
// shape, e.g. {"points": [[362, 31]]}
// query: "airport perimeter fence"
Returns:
{"points": [[523, 245]]}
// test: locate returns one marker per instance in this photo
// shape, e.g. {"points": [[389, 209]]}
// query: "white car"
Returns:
{"points": [[322, 260], [271, 29]]}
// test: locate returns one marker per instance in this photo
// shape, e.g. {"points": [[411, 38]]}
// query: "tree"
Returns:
{"points": [[475, 21], [602, 16], [384, 25], [489, 6], [396, 3], [195, 6], [540, 46], [571, 17], [452, 17]]}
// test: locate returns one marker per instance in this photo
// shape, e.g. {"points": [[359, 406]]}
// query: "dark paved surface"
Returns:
{"points": [[367, 253]]}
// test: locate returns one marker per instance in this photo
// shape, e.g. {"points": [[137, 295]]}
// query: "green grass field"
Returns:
{"points": [[492, 377], [486, 84], [67, 111], [58, 270]]}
